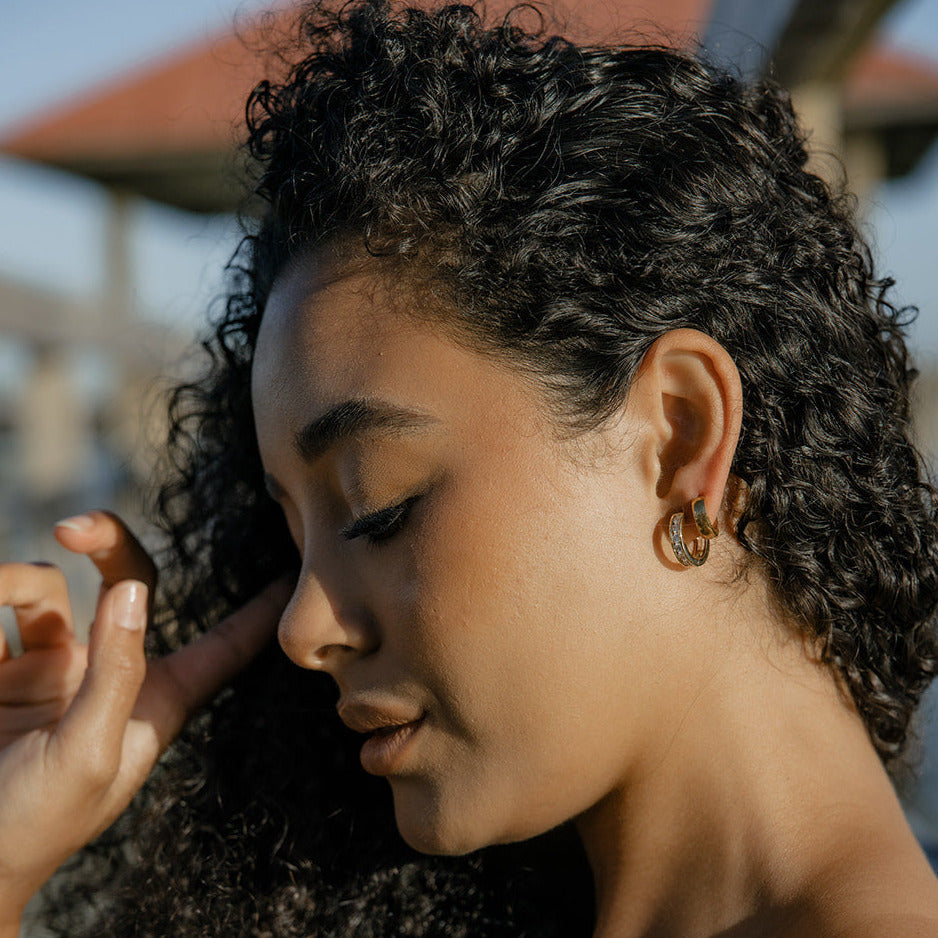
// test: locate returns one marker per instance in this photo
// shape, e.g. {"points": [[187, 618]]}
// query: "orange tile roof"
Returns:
{"points": [[193, 101], [882, 78], [185, 113]]}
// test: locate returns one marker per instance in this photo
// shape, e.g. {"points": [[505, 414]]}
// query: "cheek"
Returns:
{"points": [[521, 626], [537, 642]]}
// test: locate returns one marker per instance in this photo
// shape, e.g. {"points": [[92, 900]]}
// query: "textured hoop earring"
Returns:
{"points": [[686, 556], [705, 526]]}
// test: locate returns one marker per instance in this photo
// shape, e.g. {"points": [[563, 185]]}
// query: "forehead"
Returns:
{"points": [[317, 325], [325, 339], [326, 336]]}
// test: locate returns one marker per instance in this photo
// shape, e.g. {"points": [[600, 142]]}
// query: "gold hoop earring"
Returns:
{"points": [[702, 520], [696, 555]]}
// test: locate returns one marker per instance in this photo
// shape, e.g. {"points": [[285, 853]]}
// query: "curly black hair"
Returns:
{"points": [[567, 206]]}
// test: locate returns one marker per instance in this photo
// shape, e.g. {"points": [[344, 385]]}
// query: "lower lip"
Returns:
{"points": [[383, 753]]}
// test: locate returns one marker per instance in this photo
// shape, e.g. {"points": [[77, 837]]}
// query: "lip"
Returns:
{"points": [[384, 751], [392, 728]]}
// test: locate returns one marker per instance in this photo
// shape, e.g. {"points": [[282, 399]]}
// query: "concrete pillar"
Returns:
{"points": [[118, 267], [865, 159], [833, 152], [818, 106], [121, 417], [53, 430]]}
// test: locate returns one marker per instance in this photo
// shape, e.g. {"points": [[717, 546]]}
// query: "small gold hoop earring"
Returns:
{"points": [[702, 520], [697, 554], [685, 556]]}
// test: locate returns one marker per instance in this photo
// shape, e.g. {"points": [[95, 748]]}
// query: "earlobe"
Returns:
{"points": [[693, 389]]}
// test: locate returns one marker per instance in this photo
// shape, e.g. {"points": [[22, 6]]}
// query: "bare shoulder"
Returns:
{"points": [[882, 925], [896, 925], [893, 894], [859, 924]]}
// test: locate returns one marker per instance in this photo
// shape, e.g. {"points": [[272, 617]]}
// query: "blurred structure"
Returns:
{"points": [[170, 132], [167, 134], [76, 432]]}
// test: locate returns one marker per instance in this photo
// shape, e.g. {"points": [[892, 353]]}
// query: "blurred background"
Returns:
{"points": [[120, 180]]}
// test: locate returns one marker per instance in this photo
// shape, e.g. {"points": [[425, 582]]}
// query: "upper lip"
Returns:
{"points": [[364, 717]]}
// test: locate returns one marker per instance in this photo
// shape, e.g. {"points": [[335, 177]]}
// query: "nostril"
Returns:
{"points": [[320, 628], [313, 647], [328, 657]]}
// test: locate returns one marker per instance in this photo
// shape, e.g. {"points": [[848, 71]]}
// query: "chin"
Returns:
{"points": [[438, 826], [426, 835], [429, 828]]}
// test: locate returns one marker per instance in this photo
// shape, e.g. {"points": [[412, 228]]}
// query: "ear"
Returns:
{"points": [[691, 397]]}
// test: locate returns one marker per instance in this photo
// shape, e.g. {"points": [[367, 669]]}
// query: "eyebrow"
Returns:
{"points": [[353, 418]]}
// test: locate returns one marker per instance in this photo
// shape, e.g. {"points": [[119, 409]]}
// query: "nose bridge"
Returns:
{"points": [[326, 621]]}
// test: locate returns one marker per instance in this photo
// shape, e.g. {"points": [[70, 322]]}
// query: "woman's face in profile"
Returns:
{"points": [[464, 573]]}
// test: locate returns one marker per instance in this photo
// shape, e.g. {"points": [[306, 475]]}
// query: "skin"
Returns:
{"points": [[527, 608]]}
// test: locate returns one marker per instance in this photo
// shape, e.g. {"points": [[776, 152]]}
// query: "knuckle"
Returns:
{"points": [[90, 759], [25, 582], [11, 571], [121, 552], [52, 575], [97, 767], [7, 576], [128, 670], [120, 676]]}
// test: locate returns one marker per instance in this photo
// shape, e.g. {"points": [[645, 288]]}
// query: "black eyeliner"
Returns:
{"points": [[378, 523]]}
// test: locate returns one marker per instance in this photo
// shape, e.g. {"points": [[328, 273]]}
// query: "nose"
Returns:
{"points": [[322, 630]]}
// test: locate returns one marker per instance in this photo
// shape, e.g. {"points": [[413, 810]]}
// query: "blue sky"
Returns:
{"points": [[53, 230]]}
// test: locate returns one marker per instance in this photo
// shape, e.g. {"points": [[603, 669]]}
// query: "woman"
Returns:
{"points": [[561, 407]]}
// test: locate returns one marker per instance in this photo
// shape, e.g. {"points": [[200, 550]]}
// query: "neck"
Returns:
{"points": [[744, 810]]}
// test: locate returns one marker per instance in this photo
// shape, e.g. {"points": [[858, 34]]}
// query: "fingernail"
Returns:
{"points": [[130, 605], [78, 523]]}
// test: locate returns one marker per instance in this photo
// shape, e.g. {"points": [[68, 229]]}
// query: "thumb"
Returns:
{"points": [[178, 685], [89, 738]]}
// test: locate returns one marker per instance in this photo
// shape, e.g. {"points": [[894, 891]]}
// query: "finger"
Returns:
{"points": [[44, 674], [15, 721], [186, 680], [38, 594], [89, 738], [110, 546]]}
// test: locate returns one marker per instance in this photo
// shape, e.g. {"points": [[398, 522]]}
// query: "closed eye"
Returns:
{"points": [[380, 525]]}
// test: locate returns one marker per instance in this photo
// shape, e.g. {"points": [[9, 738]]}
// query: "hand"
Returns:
{"points": [[82, 726]]}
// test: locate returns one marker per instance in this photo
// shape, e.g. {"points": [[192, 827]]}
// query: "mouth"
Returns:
{"points": [[385, 749], [391, 727]]}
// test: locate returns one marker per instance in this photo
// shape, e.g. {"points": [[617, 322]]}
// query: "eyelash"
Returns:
{"points": [[380, 525]]}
